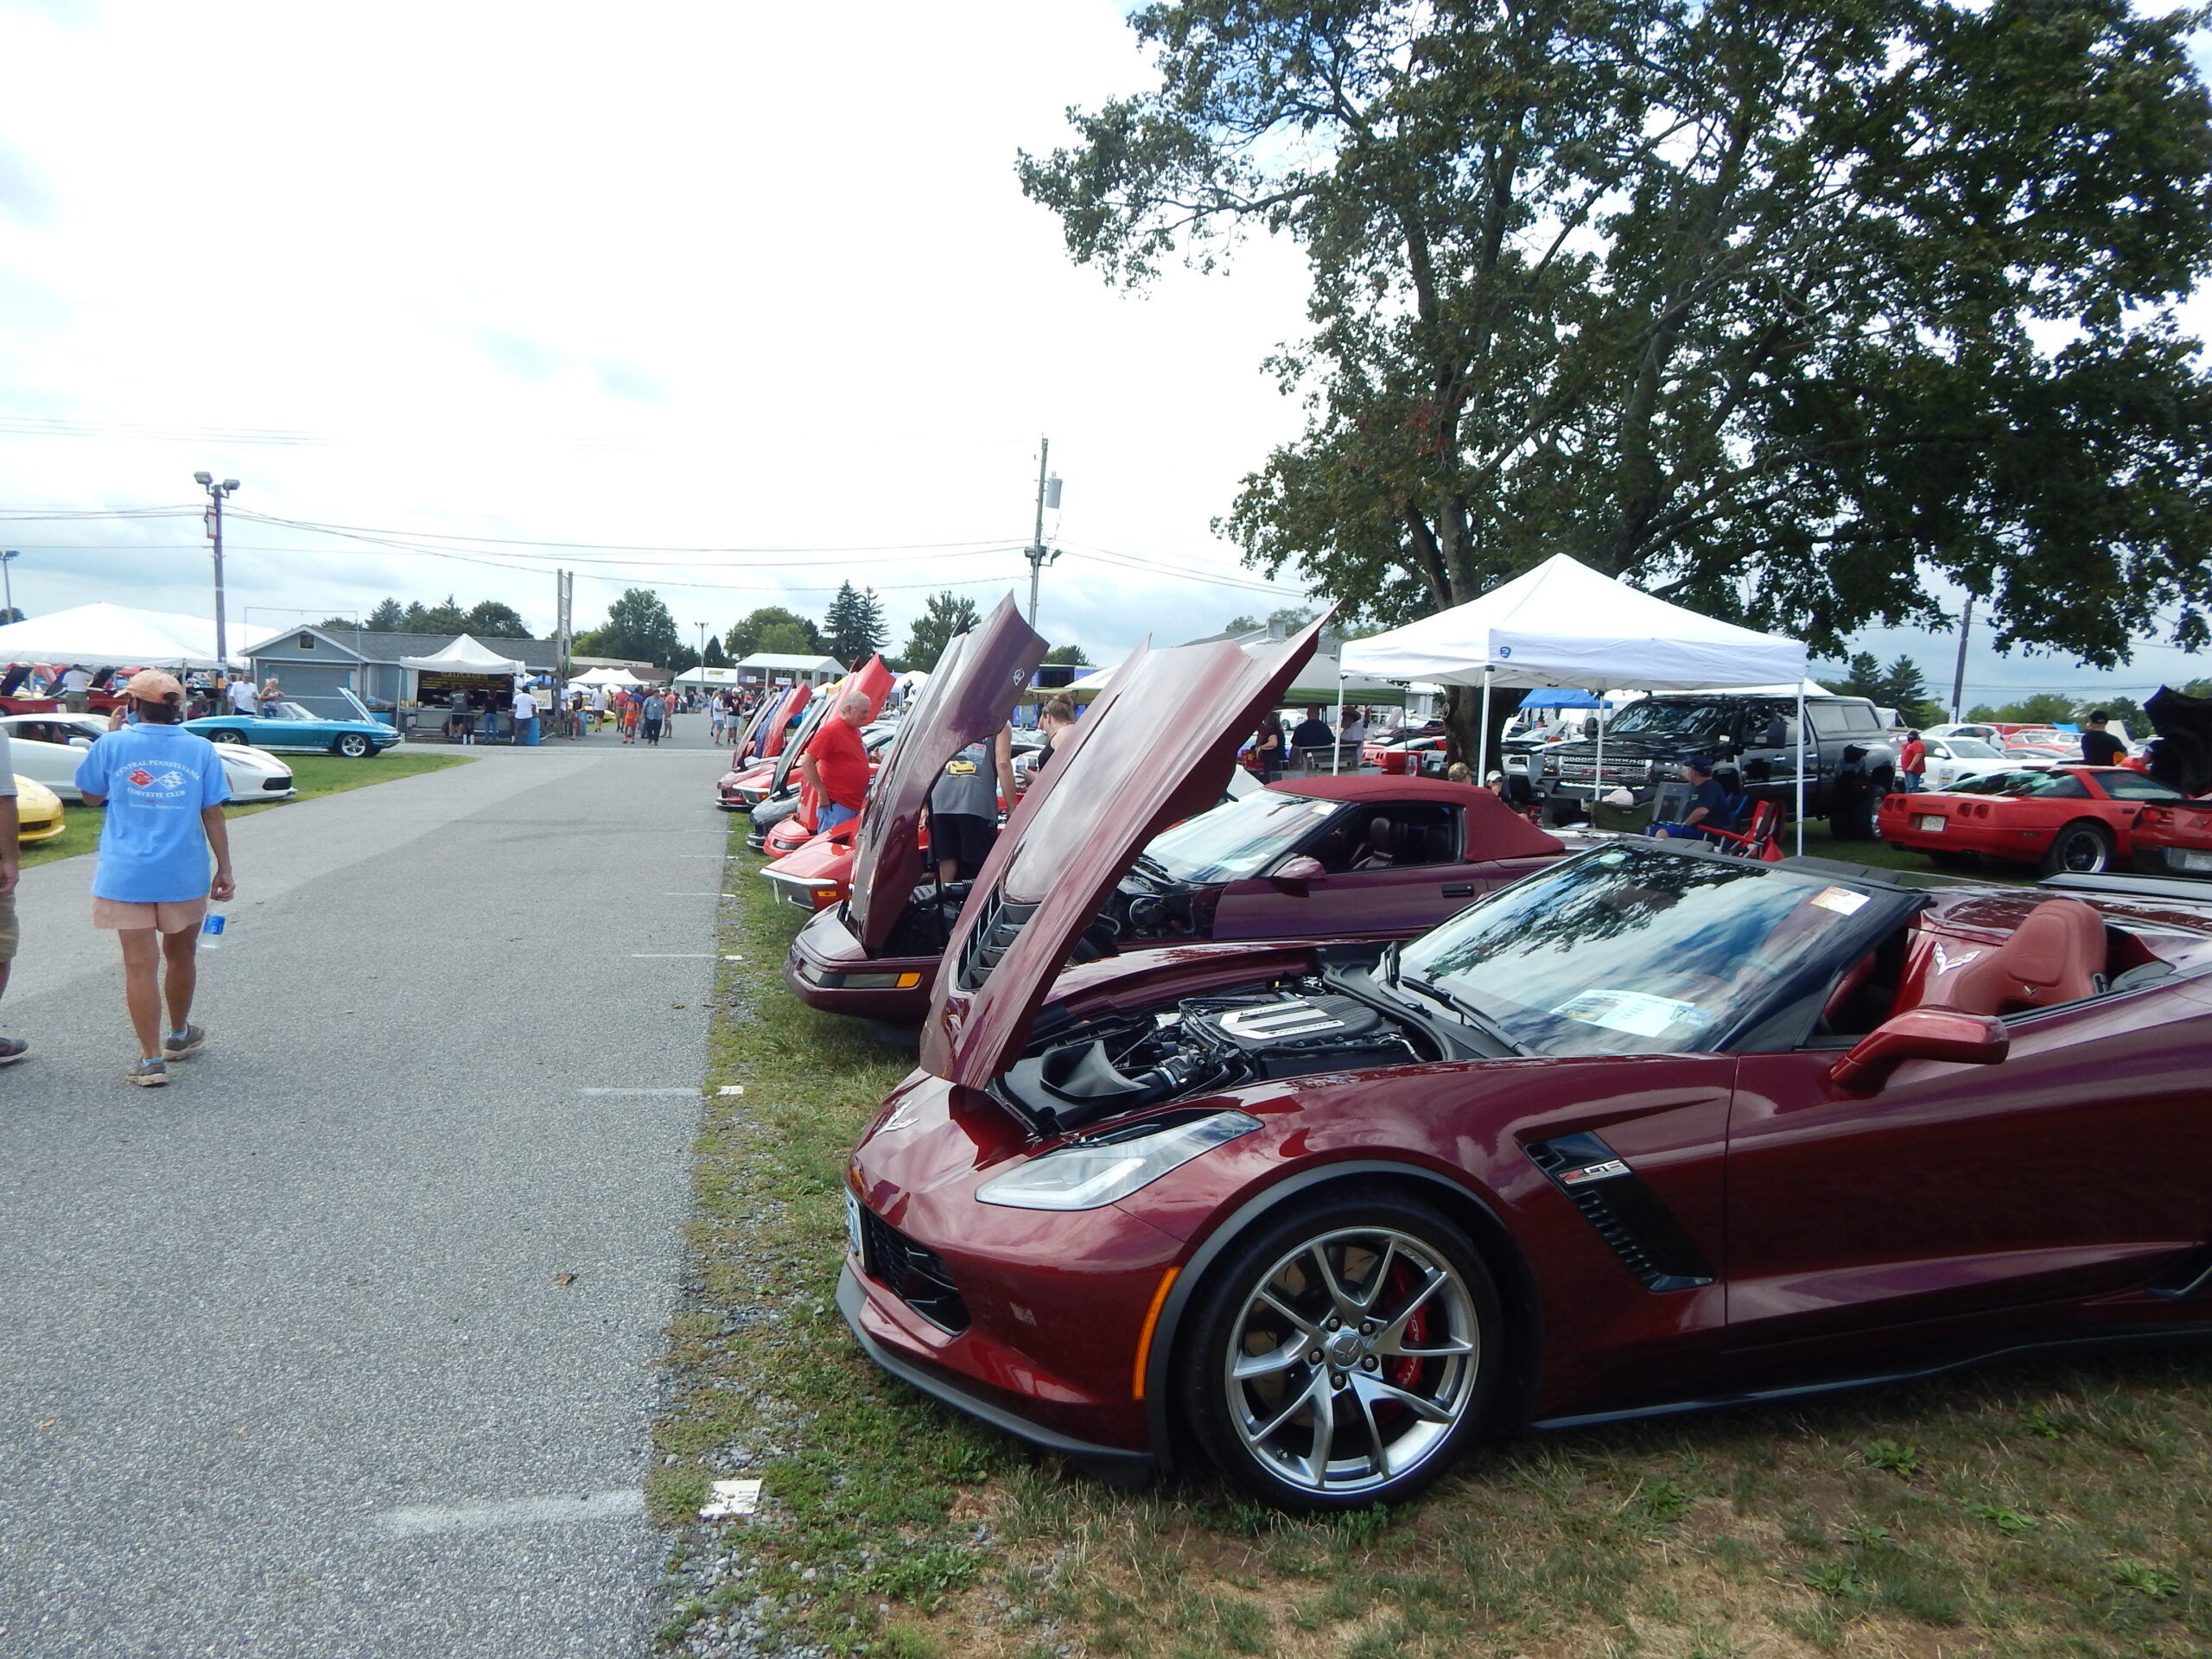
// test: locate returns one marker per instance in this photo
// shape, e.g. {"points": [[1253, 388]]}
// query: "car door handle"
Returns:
{"points": [[1459, 889]]}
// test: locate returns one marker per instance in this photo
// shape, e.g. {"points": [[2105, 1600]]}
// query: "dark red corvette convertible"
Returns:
{"points": [[1653, 1127]]}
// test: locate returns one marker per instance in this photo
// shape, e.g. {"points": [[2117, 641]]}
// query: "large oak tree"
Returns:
{"points": [[1780, 311]]}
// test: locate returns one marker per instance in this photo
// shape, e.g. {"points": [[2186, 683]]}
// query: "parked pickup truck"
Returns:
{"points": [[1849, 763]]}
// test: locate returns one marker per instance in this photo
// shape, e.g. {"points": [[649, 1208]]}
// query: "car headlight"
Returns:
{"points": [[1094, 1172]]}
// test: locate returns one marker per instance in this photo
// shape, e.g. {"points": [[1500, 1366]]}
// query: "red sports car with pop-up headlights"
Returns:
{"points": [[1654, 1127], [2061, 819]]}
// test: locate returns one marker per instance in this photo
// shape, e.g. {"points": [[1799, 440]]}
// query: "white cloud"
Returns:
{"points": [[696, 276]]}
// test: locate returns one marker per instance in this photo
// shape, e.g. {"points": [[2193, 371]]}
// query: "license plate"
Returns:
{"points": [[1932, 824], [852, 1223], [2197, 860]]}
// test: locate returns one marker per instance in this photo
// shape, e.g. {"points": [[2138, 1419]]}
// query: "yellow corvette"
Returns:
{"points": [[38, 812]]}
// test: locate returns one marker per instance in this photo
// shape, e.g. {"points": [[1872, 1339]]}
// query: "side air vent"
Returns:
{"points": [[996, 928], [1627, 1214]]}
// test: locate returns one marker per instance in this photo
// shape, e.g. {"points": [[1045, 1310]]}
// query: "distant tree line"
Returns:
{"points": [[640, 627], [486, 619]]}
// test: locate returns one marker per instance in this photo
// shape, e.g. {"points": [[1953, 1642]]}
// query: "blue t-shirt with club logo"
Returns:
{"points": [[156, 779]]}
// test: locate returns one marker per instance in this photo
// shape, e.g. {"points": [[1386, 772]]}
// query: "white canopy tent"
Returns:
{"points": [[611, 676], [465, 655], [1563, 624], [705, 675], [112, 636]]}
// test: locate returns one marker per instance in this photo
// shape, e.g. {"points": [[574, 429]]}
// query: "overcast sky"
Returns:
{"points": [[676, 276]]}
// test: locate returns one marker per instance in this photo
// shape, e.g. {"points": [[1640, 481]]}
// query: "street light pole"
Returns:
{"points": [[217, 493], [1048, 493]]}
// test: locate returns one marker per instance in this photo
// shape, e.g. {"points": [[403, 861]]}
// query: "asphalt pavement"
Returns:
{"points": [[285, 1364]]}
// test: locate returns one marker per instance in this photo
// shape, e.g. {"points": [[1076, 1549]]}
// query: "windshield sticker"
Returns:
{"points": [[1842, 900], [1637, 1012]]}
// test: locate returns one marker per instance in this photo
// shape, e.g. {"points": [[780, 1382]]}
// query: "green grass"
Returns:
{"points": [[2053, 1509], [864, 1476], [313, 774]]}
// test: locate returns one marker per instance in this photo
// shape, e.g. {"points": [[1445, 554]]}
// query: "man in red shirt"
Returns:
{"points": [[835, 765]]}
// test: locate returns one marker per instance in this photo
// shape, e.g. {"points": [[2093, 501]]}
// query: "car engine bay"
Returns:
{"points": [[1122, 1063]]}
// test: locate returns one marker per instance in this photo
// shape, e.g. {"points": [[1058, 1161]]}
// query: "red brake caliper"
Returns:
{"points": [[1404, 1371]]}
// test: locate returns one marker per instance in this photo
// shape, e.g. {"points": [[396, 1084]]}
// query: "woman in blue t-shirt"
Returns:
{"points": [[164, 788]]}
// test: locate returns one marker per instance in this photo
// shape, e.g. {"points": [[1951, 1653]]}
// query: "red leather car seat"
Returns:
{"points": [[2055, 954]]}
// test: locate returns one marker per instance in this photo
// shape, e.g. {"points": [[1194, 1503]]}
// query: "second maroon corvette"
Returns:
{"points": [[1653, 1127]]}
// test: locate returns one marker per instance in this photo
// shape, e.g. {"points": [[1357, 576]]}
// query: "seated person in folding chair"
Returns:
{"points": [[1711, 805]]}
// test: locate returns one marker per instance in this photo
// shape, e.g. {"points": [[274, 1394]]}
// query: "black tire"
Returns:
{"points": [[355, 745], [1383, 1250], [227, 735], [2082, 847]]}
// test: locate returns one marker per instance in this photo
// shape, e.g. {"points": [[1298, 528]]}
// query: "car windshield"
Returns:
{"points": [[1683, 720], [1630, 950], [1970, 749], [288, 711], [2026, 785], [1238, 838]]}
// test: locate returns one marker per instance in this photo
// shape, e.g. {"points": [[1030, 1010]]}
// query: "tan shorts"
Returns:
{"points": [[170, 916], [8, 935]]}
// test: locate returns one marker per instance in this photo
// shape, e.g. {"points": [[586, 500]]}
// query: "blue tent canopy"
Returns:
{"points": [[1564, 698]]}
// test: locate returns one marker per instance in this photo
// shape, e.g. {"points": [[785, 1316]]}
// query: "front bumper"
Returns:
{"points": [[1030, 1319], [1114, 1464], [808, 893], [827, 969]]}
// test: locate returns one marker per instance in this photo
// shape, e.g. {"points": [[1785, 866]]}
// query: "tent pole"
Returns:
{"points": [[1337, 748], [1482, 742], [1801, 768], [1598, 776]]}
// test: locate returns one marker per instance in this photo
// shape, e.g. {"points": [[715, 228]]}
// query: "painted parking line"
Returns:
{"points": [[637, 1094], [515, 1512], [671, 956], [698, 895]]}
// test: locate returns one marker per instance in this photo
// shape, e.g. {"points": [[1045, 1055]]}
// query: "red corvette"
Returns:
{"points": [[2058, 818], [1351, 857], [1652, 1128], [2173, 838]]}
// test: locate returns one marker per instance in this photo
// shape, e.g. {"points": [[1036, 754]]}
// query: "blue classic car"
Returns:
{"points": [[289, 726]]}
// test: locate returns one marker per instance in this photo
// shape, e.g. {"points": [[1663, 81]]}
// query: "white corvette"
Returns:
{"points": [[47, 748]]}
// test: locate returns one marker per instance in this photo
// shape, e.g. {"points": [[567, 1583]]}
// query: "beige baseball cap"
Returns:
{"points": [[151, 685]]}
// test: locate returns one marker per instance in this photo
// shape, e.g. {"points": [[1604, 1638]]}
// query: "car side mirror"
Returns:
{"points": [[1295, 873], [1943, 1034], [80, 741]]}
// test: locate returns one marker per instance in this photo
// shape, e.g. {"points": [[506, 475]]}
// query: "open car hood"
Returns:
{"points": [[978, 680], [874, 682], [1157, 745]]}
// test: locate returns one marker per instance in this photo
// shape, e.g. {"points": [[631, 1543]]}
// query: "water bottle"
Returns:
{"points": [[211, 932]]}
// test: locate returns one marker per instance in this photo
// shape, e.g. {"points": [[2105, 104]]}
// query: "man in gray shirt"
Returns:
{"points": [[965, 805]]}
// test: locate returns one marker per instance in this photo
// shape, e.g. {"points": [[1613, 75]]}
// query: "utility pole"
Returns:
{"points": [[1048, 495], [216, 495], [564, 595], [7, 578], [1959, 674]]}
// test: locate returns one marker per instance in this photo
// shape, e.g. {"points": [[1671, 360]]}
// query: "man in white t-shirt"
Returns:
{"points": [[242, 700], [525, 712]]}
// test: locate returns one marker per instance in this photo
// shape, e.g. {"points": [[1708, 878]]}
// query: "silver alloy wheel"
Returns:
{"points": [[2081, 850], [1352, 1360]]}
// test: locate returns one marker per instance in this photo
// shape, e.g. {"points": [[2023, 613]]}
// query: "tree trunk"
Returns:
{"points": [[1463, 716]]}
